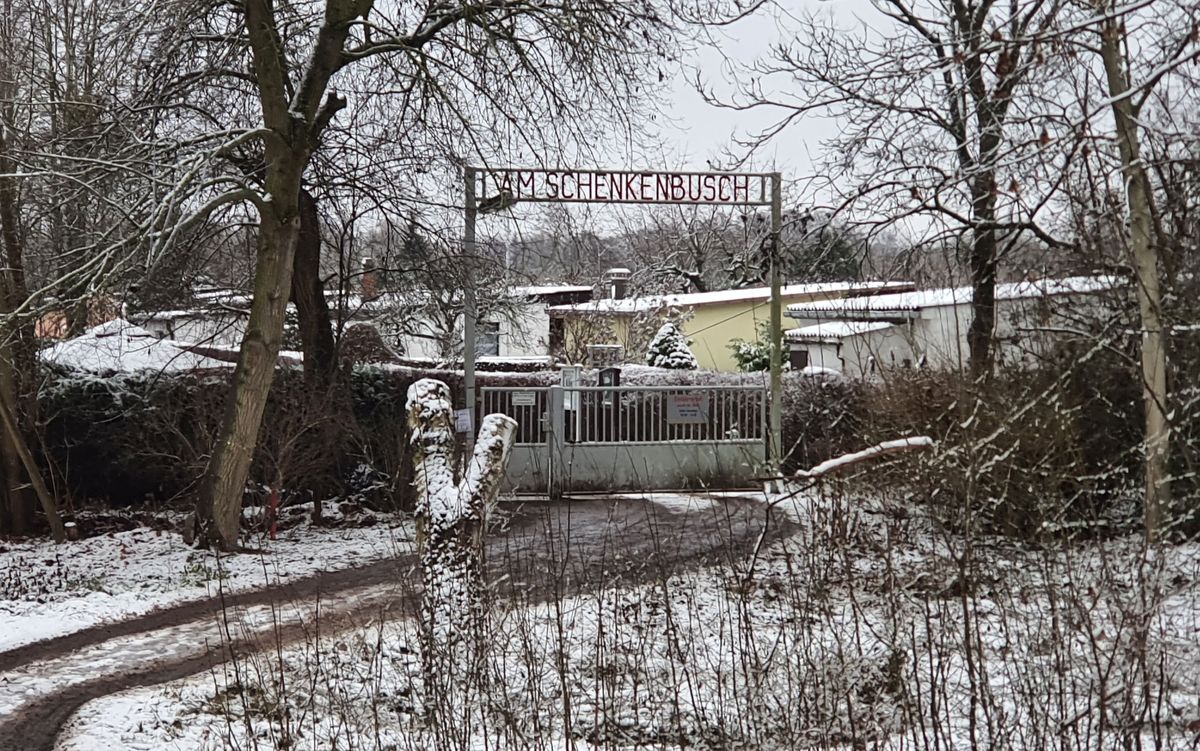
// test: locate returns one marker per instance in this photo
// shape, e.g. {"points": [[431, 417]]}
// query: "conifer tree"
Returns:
{"points": [[669, 349]]}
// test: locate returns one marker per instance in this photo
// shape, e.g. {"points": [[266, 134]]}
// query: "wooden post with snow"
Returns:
{"points": [[451, 516]]}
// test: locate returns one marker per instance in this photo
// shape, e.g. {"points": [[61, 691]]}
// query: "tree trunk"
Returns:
{"points": [[328, 409], [316, 327], [982, 329], [219, 506], [16, 363], [451, 517], [18, 499], [1144, 254], [12, 432]]}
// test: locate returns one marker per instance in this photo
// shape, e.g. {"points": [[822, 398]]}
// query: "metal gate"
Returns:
{"points": [[628, 438]]}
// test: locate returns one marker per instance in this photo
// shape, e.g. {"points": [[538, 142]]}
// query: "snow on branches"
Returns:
{"points": [[669, 349], [451, 515], [898, 445]]}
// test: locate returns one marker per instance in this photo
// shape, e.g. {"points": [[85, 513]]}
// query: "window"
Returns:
{"points": [[558, 335], [798, 358], [487, 339]]}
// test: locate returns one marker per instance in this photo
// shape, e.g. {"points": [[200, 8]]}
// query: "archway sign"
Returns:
{"points": [[508, 186]]}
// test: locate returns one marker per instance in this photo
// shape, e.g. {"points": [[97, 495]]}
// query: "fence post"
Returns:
{"points": [[555, 439]]}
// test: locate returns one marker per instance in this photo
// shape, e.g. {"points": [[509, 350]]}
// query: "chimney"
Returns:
{"points": [[369, 286], [617, 282]]}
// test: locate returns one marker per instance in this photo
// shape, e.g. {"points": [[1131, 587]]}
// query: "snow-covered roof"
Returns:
{"points": [[835, 331], [749, 294], [909, 302], [119, 346], [534, 290]]}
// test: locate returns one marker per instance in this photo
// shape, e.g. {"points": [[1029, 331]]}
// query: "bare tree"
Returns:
{"points": [[940, 120], [1139, 48], [475, 69], [77, 191]]}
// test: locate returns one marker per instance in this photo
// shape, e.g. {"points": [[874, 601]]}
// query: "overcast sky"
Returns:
{"points": [[690, 132], [696, 131]]}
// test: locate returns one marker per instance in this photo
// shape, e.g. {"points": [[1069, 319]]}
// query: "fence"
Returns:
{"points": [[665, 414], [528, 406]]}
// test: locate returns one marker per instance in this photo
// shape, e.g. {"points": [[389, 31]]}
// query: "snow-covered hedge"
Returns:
{"points": [[1029, 452]]}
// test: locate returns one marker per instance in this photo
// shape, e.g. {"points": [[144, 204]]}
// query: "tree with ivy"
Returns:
{"points": [[669, 349]]}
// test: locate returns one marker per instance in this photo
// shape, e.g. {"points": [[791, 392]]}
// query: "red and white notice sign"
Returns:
{"points": [[617, 186]]}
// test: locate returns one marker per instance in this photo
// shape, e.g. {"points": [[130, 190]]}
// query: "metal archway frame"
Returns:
{"points": [[514, 185]]}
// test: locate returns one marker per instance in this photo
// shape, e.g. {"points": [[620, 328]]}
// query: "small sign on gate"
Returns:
{"points": [[572, 378], [462, 420], [524, 398], [687, 409]]}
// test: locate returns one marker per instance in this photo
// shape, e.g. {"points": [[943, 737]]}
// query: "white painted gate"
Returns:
{"points": [[629, 438]]}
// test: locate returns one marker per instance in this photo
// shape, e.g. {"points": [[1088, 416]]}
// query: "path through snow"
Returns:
{"points": [[625, 537]]}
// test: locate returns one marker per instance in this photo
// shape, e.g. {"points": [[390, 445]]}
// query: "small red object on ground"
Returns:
{"points": [[273, 513]]}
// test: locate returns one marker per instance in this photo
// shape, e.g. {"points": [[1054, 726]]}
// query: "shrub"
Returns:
{"points": [[669, 349], [130, 438], [1027, 453]]}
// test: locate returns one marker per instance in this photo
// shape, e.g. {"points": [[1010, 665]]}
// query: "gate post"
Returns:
{"points": [[555, 440]]}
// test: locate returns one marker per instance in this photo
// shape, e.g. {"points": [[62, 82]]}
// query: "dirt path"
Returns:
{"points": [[546, 550]]}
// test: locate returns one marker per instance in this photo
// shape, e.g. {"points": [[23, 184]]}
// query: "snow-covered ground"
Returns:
{"points": [[864, 629], [48, 590]]}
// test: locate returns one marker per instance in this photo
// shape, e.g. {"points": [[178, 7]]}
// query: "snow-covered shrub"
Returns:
{"points": [[669, 349], [821, 419], [755, 356], [1028, 453], [362, 343], [369, 487]]}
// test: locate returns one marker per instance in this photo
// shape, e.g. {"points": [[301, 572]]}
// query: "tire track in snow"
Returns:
{"points": [[549, 550]]}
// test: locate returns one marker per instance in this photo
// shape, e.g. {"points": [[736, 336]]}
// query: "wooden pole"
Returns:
{"points": [[470, 311]]}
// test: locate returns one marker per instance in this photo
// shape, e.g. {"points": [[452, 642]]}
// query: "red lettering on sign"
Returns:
{"points": [[662, 187], [525, 186], [741, 182], [600, 187], [678, 192]]}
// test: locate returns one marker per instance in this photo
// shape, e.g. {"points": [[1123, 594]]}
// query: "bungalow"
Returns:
{"points": [[217, 319], [859, 336], [520, 329], [710, 320]]}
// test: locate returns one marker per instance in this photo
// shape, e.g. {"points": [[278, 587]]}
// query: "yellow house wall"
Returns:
{"points": [[710, 328]]}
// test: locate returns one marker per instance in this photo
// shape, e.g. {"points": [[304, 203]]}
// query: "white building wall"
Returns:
{"points": [[526, 332], [888, 348], [217, 330], [1025, 333], [822, 354]]}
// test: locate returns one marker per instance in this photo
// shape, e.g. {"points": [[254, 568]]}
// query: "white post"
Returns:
{"points": [[555, 442], [776, 444]]}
